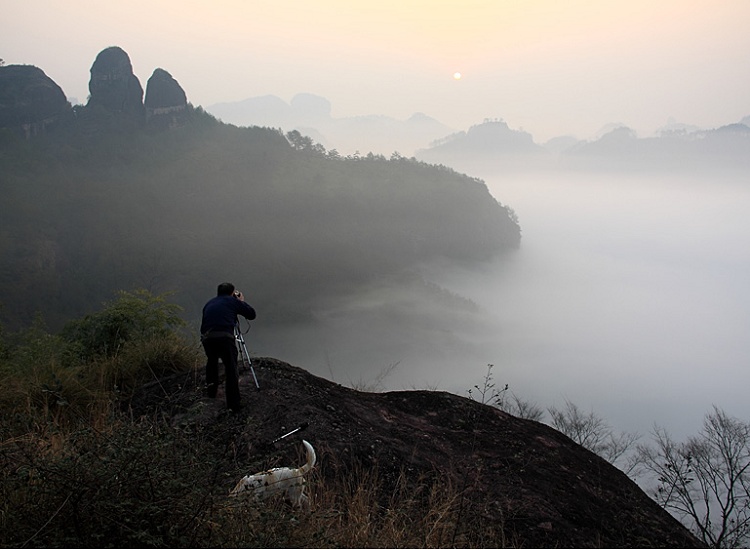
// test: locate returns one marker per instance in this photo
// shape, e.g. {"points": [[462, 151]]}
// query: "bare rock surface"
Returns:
{"points": [[535, 483]]}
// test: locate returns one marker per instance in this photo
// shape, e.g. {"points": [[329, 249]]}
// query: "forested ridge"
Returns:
{"points": [[100, 203]]}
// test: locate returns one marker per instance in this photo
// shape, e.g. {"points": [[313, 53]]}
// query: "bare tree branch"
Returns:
{"points": [[706, 480]]}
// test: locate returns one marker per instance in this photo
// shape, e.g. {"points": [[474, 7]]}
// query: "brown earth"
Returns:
{"points": [[535, 483]]}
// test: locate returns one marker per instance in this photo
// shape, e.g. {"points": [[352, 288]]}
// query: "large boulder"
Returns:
{"points": [[29, 99], [517, 482], [164, 93], [113, 85], [165, 99]]}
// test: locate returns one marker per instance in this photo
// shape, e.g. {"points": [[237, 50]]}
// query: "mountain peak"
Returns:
{"points": [[113, 85], [29, 99]]}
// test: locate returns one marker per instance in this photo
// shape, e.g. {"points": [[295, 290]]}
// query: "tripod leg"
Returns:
{"points": [[246, 356], [250, 364], [254, 377]]}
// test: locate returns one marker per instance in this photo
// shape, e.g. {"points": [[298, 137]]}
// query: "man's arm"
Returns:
{"points": [[245, 309]]}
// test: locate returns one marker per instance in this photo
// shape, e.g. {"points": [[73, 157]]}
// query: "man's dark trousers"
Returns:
{"points": [[224, 348]]}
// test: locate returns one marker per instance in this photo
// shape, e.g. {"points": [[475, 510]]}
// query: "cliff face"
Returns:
{"points": [[113, 85], [164, 93], [165, 99], [522, 478], [29, 99]]}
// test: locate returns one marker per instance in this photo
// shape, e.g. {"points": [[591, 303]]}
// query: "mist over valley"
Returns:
{"points": [[625, 294], [626, 297]]}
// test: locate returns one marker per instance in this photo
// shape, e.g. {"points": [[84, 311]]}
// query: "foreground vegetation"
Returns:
{"points": [[145, 484], [78, 470]]}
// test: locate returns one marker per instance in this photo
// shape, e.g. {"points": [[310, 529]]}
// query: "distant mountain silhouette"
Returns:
{"points": [[674, 127], [493, 144], [675, 147], [311, 115], [492, 138]]}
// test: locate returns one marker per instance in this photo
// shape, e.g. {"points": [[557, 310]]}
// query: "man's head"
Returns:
{"points": [[225, 289]]}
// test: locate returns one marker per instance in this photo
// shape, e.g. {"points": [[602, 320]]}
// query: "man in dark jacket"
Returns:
{"points": [[217, 335]]}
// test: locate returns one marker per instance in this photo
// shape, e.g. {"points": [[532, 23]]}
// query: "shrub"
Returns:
{"points": [[133, 316], [77, 375]]}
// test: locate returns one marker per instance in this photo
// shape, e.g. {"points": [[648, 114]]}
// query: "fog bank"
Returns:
{"points": [[628, 297]]}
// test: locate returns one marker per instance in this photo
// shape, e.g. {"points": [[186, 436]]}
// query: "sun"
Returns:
{"points": [[457, 76]]}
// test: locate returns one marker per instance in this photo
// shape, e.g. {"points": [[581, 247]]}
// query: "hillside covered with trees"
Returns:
{"points": [[160, 195]]}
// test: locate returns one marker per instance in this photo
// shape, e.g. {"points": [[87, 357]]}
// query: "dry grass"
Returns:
{"points": [[76, 472], [354, 512], [116, 482]]}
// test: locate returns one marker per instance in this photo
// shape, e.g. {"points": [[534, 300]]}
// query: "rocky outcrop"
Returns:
{"points": [[30, 101], [528, 481], [165, 98], [113, 85]]}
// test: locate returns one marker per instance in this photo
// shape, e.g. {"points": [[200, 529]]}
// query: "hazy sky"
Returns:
{"points": [[546, 66]]}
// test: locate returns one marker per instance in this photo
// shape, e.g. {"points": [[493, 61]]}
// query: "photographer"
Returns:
{"points": [[217, 335]]}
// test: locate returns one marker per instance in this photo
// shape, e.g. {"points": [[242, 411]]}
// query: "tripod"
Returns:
{"points": [[244, 355]]}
